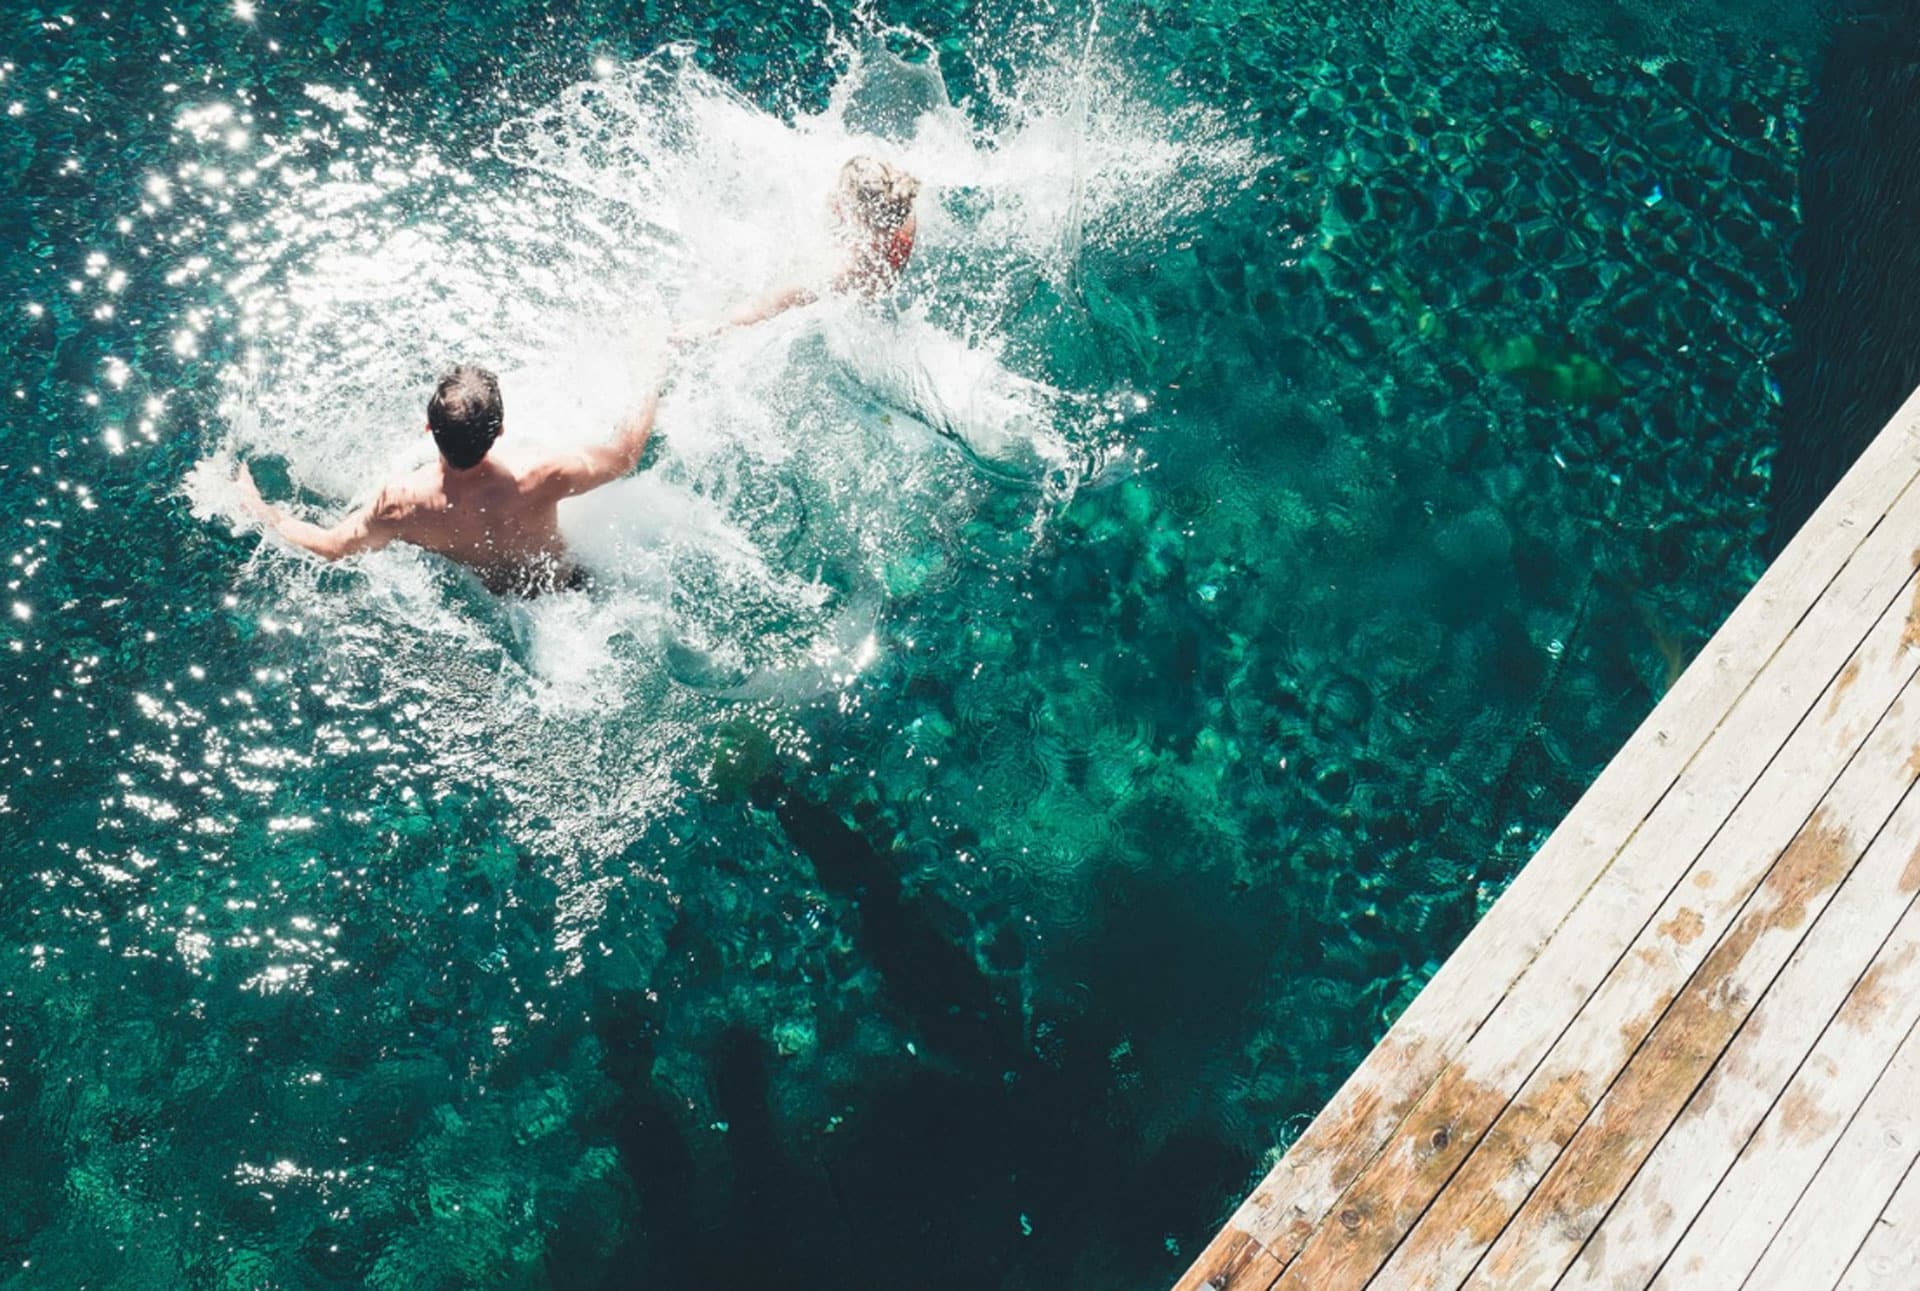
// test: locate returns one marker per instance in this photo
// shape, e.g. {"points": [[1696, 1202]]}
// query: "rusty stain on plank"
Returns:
{"points": [[1684, 927], [1233, 1259], [1851, 674], [1599, 1160], [1477, 1204], [1802, 1118], [1815, 862], [1389, 1195], [1868, 1002], [1338, 1143]]}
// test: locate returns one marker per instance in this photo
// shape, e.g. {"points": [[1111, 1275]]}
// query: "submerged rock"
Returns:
{"points": [[1552, 371]]}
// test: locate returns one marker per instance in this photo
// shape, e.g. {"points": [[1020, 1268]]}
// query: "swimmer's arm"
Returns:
{"points": [[777, 301], [757, 309], [870, 273], [604, 463], [363, 530]]}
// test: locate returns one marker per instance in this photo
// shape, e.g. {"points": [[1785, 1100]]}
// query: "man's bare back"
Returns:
{"points": [[496, 513]]}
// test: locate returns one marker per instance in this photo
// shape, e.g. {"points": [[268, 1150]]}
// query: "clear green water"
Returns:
{"points": [[1026, 744]]}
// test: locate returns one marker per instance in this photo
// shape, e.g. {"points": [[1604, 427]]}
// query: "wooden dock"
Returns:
{"points": [[1680, 1051]]}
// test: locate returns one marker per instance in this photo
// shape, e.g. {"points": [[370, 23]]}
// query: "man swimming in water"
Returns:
{"points": [[874, 204], [495, 513]]}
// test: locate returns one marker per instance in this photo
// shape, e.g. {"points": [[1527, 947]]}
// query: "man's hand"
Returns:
{"points": [[250, 500]]}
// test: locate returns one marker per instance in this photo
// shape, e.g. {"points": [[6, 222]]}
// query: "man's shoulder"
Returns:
{"points": [[405, 498], [545, 472]]}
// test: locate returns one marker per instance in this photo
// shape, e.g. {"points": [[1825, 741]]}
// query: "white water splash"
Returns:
{"points": [[799, 461]]}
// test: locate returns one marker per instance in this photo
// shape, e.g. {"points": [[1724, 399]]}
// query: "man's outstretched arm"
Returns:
{"points": [[589, 468], [359, 531]]}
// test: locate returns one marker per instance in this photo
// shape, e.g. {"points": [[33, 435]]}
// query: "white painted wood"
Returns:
{"points": [[1827, 697], [1303, 1188], [1754, 1199], [1889, 1260], [1565, 1199], [1805, 1027], [1858, 1178], [1573, 1195]]}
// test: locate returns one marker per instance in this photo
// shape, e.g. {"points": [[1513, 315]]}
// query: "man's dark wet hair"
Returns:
{"points": [[465, 415]]}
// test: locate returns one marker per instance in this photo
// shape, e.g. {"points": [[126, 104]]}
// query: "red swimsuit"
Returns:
{"points": [[898, 248]]}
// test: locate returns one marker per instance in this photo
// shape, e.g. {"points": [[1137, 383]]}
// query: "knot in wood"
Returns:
{"points": [[1440, 1139], [1349, 1219]]}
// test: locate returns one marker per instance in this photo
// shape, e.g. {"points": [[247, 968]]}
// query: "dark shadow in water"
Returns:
{"points": [[1856, 322], [998, 1127], [647, 1132], [930, 979]]}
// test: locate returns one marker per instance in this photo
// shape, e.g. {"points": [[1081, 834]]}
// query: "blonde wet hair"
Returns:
{"points": [[881, 194]]}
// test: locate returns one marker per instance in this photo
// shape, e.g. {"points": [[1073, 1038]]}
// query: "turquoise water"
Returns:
{"points": [[1026, 741]]}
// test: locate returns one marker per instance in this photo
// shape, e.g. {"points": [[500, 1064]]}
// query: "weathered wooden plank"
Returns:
{"points": [[1547, 1114], [1889, 1260], [1812, 1019], [1818, 664], [1569, 1202], [1303, 1188], [1233, 1259], [1836, 1212], [1549, 1204], [1754, 1198]]}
